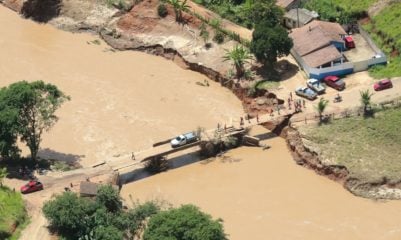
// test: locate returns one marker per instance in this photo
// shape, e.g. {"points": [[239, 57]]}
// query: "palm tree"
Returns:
{"points": [[321, 106], [365, 100], [179, 7], [239, 55]]}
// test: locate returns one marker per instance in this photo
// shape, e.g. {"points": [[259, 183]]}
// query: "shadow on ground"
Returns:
{"points": [[68, 158], [283, 70]]}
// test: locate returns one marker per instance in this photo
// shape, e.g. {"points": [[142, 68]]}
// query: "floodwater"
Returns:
{"points": [[264, 195], [123, 101]]}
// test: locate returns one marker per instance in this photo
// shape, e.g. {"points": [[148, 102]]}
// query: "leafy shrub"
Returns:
{"points": [[162, 10], [186, 222], [218, 37]]}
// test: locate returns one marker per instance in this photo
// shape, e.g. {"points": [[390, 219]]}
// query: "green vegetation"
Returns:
{"points": [[321, 107], [13, 216], [343, 11], [386, 32], [26, 111], [204, 34], [104, 218], [179, 7], [186, 222], [162, 10], [3, 174], [239, 55], [218, 37], [366, 100], [260, 86], [368, 147], [82, 218], [119, 4], [270, 42]]}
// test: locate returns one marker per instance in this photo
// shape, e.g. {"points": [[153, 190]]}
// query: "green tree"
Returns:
{"points": [[269, 42], [239, 55], [179, 7], [36, 104], [3, 174], [265, 11], [69, 214], [321, 107], [107, 233], [365, 100], [109, 197], [8, 129], [186, 222]]}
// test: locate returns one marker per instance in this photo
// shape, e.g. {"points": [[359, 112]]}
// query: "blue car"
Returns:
{"points": [[306, 93]]}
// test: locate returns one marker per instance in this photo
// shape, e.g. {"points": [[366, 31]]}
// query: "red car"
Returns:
{"points": [[349, 42], [334, 82], [32, 186], [382, 84]]}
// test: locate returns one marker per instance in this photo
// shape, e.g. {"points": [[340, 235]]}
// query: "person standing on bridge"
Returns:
{"points": [[257, 118], [132, 156]]}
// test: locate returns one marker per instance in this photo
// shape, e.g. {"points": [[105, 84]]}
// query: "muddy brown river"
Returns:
{"points": [[122, 101]]}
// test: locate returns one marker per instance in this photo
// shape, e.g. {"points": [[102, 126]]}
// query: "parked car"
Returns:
{"points": [[334, 82], [349, 42], [184, 139], [32, 186], [306, 93], [316, 86], [383, 84]]}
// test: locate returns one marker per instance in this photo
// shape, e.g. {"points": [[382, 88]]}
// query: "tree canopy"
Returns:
{"points": [[270, 42], [109, 197], [103, 218], [27, 109], [265, 11], [186, 222]]}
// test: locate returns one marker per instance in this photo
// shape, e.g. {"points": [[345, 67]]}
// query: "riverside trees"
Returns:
{"points": [[82, 218], [26, 111]]}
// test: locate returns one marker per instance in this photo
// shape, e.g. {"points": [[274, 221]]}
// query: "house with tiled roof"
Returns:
{"points": [[320, 50], [288, 4], [319, 44], [299, 17]]}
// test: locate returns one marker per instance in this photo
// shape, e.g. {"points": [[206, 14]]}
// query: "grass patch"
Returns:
{"points": [[370, 148], [385, 29], [392, 69], [343, 11], [267, 85], [13, 217]]}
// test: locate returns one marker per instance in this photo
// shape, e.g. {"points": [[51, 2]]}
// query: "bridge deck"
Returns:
{"points": [[164, 148]]}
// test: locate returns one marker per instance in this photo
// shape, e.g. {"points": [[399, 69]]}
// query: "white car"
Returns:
{"points": [[316, 86], [184, 139]]}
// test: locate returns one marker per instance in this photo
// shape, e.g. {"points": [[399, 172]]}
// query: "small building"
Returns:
{"points": [[319, 45], [288, 4], [323, 48], [299, 17]]}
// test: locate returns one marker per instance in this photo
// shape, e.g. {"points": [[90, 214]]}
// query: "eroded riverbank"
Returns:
{"points": [[125, 100]]}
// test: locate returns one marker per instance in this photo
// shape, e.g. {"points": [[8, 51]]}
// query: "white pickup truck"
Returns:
{"points": [[184, 139]]}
